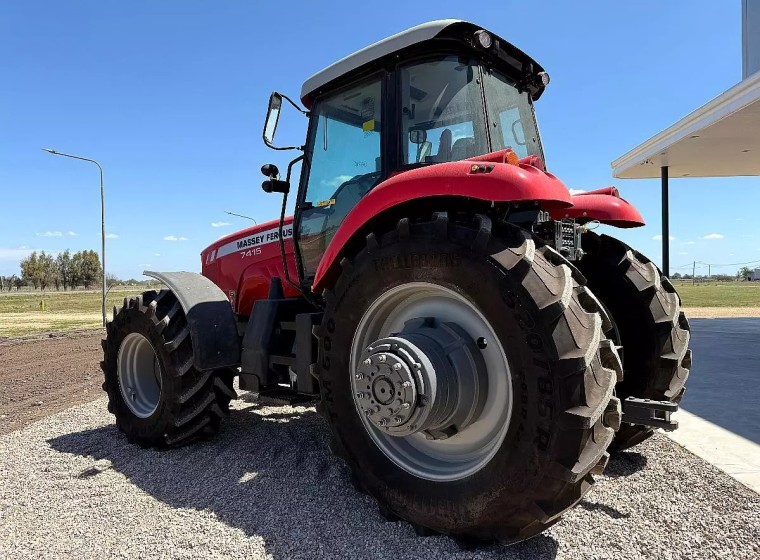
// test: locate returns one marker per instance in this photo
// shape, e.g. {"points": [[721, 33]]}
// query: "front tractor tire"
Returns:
{"points": [[650, 325], [466, 379], [158, 397]]}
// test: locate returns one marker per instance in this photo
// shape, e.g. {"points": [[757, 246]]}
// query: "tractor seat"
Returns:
{"points": [[444, 149], [463, 148]]}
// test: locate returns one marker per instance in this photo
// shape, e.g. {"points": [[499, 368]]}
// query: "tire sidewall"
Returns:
{"points": [[515, 469], [130, 321]]}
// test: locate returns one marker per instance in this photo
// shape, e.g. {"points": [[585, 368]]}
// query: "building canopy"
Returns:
{"points": [[720, 139]]}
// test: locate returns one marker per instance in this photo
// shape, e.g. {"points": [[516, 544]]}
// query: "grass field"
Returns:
{"points": [[20, 314], [719, 294]]}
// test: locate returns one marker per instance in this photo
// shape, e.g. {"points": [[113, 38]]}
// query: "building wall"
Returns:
{"points": [[750, 37]]}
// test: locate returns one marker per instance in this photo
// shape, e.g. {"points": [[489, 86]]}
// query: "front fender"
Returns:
{"points": [[213, 329], [488, 181], [603, 205]]}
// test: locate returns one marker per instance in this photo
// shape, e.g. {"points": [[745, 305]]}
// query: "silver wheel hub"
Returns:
{"points": [[139, 375], [430, 378], [431, 381]]}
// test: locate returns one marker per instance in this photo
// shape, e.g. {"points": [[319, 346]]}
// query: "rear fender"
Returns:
{"points": [[602, 205], [484, 180], [213, 329]]}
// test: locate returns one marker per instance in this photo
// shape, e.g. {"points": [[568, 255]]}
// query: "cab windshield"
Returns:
{"points": [[444, 119]]}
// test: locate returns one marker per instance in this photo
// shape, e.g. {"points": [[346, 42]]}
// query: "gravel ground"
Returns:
{"points": [[71, 486]]}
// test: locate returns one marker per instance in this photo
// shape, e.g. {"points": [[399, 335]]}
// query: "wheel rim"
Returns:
{"points": [[470, 449], [139, 375]]}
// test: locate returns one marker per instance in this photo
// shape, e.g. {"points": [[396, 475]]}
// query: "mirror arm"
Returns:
{"points": [[302, 148], [294, 104]]}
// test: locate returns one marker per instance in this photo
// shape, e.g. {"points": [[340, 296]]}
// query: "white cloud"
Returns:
{"points": [[50, 234], [174, 238], [659, 238], [13, 254], [220, 224], [689, 243], [111, 236], [577, 191], [157, 254], [336, 181], [10, 258], [73, 234], [714, 236]]}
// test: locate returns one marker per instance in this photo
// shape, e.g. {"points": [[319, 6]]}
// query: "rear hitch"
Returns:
{"points": [[647, 412]]}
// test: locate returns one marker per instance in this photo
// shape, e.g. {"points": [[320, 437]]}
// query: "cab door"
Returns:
{"points": [[343, 162]]}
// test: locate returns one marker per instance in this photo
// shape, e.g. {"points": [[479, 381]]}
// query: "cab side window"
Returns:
{"points": [[344, 164]]}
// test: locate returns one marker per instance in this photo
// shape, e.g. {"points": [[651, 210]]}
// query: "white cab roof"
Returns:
{"points": [[377, 50]]}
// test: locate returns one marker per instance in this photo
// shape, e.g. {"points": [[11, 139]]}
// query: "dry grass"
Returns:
{"points": [[719, 294], [22, 314], [718, 312]]}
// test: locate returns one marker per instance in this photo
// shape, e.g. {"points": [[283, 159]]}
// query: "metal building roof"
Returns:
{"points": [[720, 139]]}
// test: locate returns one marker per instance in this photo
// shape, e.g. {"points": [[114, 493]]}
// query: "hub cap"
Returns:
{"points": [[139, 375], [431, 381]]}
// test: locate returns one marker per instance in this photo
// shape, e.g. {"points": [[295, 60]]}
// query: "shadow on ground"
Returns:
{"points": [[271, 475], [726, 362], [625, 463]]}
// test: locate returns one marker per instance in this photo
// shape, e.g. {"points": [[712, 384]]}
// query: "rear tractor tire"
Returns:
{"points": [[466, 379], [158, 397], [649, 323]]}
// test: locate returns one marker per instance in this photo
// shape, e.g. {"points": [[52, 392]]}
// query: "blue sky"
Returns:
{"points": [[170, 97]]}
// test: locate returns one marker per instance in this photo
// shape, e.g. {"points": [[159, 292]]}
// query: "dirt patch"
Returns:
{"points": [[718, 312], [44, 374]]}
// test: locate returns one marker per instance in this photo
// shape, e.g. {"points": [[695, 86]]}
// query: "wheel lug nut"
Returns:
{"points": [[397, 419], [381, 357], [397, 366], [367, 362], [383, 422], [361, 396], [406, 384], [405, 405], [359, 376]]}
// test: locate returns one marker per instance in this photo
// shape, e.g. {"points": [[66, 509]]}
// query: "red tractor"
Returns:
{"points": [[468, 339]]}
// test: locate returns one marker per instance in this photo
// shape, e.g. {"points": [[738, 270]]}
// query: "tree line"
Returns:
{"points": [[68, 271]]}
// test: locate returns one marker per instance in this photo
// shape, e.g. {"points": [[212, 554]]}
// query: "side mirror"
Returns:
{"points": [[273, 117], [418, 136]]}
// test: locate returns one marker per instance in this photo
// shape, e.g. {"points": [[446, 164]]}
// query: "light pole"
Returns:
{"points": [[102, 224]]}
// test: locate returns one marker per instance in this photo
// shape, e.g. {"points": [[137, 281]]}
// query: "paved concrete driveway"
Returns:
{"points": [[724, 383], [720, 413]]}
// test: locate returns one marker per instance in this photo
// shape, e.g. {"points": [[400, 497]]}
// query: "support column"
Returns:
{"points": [[665, 222]]}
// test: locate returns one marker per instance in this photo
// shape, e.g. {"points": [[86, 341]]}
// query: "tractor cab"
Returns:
{"points": [[439, 92]]}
